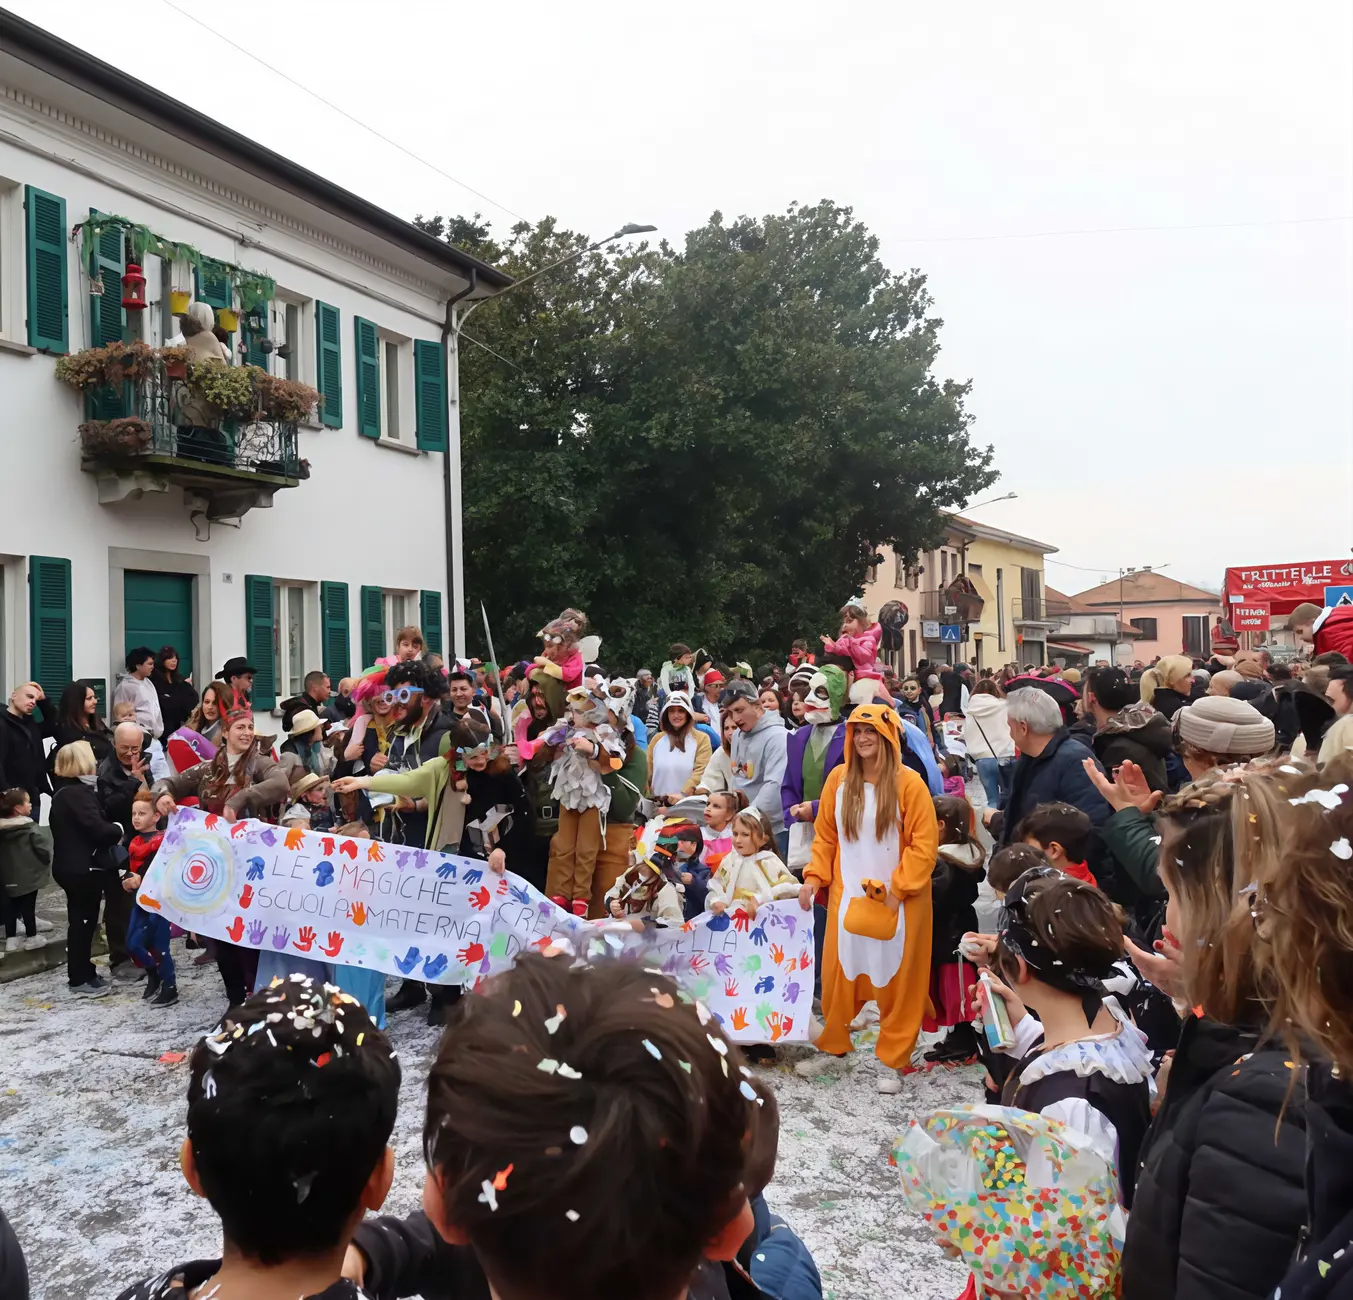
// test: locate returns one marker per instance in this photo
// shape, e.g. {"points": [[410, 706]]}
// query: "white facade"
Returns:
{"points": [[372, 512]]}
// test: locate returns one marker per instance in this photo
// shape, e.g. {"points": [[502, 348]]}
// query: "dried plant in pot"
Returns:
{"points": [[175, 361], [285, 400], [114, 439], [110, 366]]}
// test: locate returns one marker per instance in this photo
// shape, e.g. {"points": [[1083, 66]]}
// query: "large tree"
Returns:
{"points": [[703, 445]]}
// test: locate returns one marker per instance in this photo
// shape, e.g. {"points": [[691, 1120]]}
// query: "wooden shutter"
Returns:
{"points": [[212, 282], [254, 331], [429, 388], [49, 623], [107, 260], [100, 687], [259, 617], [329, 366], [48, 283], [368, 379], [430, 618], [333, 612], [373, 625]]}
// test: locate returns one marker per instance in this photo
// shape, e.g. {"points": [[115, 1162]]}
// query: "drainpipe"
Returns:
{"points": [[451, 472]]}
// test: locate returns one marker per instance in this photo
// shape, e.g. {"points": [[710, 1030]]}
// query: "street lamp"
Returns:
{"points": [[451, 476], [1009, 496]]}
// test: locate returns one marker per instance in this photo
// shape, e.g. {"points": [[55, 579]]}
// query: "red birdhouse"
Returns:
{"points": [[134, 288]]}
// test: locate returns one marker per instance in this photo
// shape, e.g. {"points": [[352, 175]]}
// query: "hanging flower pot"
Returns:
{"points": [[228, 319], [178, 301], [175, 362]]}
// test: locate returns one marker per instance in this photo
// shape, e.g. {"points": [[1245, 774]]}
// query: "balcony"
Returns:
{"points": [[159, 428], [1040, 611]]}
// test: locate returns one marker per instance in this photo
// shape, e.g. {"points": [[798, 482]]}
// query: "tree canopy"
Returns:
{"points": [[703, 445]]}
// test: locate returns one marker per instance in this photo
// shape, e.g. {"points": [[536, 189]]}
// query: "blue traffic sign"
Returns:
{"points": [[1339, 595], [950, 632]]}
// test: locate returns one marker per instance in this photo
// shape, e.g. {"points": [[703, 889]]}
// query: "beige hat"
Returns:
{"points": [[1218, 724], [306, 783], [304, 723]]}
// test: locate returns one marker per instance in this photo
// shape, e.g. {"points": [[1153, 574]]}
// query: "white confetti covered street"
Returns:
{"points": [[92, 1121]]}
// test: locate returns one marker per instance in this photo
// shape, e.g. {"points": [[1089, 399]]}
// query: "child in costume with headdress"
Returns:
{"points": [[859, 638], [753, 872], [561, 656], [647, 893], [588, 748]]}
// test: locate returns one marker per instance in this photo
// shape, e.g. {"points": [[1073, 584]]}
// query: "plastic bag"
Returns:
{"points": [[1023, 1200]]}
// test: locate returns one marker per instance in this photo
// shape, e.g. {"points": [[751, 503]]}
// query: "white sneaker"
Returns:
{"points": [[13, 943], [45, 926], [869, 1015], [890, 1083], [33, 944], [91, 990], [816, 1066]]}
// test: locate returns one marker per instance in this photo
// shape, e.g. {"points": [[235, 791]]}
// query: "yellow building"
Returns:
{"points": [[984, 582]]}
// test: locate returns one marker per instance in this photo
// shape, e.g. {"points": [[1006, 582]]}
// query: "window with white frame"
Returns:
{"points": [[12, 311], [286, 330], [396, 361], [401, 610], [289, 637]]}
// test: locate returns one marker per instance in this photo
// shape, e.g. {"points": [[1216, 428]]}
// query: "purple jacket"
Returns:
{"points": [[791, 788]]}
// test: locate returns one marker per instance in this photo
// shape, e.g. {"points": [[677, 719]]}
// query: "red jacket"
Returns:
{"points": [[1336, 632]]}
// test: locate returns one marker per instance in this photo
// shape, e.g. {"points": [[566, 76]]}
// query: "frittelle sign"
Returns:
{"points": [[1285, 586]]}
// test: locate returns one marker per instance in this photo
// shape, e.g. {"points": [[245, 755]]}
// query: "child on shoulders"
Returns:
{"points": [[291, 1103], [859, 638]]}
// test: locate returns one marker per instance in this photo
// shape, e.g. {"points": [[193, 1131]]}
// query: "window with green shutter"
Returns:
{"points": [[258, 638], [107, 261], [368, 378], [48, 276], [373, 625], [329, 364], [99, 685], [213, 286], [49, 623], [429, 389], [430, 617], [337, 647], [254, 333]]}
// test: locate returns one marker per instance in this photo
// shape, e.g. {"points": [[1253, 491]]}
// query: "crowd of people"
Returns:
{"points": [[1171, 846]]}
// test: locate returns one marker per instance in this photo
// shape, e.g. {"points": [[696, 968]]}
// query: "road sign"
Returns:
{"points": [[1339, 595], [1252, 616], [950, 632], [930, 629]]}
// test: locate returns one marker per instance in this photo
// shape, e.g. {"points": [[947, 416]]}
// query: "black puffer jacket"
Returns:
{"points": [[79, 830], [1219, 1202], [1167, 701], [1138, 734]]}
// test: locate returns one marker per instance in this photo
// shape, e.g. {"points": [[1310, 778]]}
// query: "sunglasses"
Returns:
{"points": [[402, 694]]}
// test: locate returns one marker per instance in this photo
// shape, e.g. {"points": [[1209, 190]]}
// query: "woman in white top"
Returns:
{"points": [[986, 733], [718, 775], [678, 754]]}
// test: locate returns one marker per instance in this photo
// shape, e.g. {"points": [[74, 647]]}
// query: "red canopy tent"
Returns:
{"points": [[1285, 586]]}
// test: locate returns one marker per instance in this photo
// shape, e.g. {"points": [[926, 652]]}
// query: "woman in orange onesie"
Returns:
{"points": [[873, 851]]}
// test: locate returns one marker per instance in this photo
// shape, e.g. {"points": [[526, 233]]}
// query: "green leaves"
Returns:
{"points": [[704, 445]]}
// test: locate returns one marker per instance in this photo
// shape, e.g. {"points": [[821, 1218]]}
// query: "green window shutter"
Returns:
{"points": [[107, 260], [48, 284], [329, 366], [100, 686], [333, 611], [430, 617], [49, 623], [373, 625], [368, 379], [259, 617], [212, 283], [254, 331], [429, 390]]}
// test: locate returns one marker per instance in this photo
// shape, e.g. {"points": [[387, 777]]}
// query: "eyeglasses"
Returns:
{"points": [[401, 695]]}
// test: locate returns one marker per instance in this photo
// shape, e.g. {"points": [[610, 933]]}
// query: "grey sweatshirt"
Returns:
{"points": [[759, 766]]}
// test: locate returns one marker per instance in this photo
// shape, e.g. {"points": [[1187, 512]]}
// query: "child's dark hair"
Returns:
{"points": [[608, 1171], [956, 820], [678, 651], [290, 1106], [1007, 865], [11, 801], [1112, 687], [1066, 931], [1058, 823], [953, 765]]}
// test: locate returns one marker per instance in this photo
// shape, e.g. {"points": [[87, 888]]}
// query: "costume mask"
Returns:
{"points": [[826, 694]]}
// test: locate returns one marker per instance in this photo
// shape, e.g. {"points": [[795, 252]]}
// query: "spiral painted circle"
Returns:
{"points": [[203, 879]]}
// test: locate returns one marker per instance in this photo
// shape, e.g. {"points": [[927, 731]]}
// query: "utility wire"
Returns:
{"points": [[479, 194], [1109, 230]]}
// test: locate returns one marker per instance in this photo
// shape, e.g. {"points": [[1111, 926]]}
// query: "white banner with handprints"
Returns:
{"points": [[449, 920]]}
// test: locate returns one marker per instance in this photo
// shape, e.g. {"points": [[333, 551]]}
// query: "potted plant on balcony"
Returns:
{"points": [[229, 389], [111, 366], [283, 400], [175, 361], [114, 440]]}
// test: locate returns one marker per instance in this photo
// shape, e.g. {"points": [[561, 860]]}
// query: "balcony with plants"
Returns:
{"points": [[228, 434]]}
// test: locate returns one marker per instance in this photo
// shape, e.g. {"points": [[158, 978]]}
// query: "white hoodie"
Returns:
{"points": [[986, 731]]}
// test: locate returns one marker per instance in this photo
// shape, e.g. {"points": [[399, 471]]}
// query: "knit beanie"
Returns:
{"points": [[1219, 724]]}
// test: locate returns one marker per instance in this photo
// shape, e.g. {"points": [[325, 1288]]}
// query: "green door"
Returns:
{"points": [[158, 611]]}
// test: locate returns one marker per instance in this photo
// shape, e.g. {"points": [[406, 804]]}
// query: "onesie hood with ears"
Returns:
{"points": [[880, 718]]}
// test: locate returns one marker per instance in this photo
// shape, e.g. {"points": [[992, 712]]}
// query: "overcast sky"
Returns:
{"points": [[1180, 396]]}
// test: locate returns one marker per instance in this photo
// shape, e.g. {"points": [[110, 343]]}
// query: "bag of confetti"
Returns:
{"points": [[1023, 1200]]}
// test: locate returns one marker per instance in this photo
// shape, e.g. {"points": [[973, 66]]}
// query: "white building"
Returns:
{"points": [[225, 548]]}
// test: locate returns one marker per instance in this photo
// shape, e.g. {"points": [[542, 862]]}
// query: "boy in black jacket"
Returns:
{"points": [[588, 1134], [291, 1103]]}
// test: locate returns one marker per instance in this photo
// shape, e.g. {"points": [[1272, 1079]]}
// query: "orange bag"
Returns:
{"points": [[870, 917]]}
